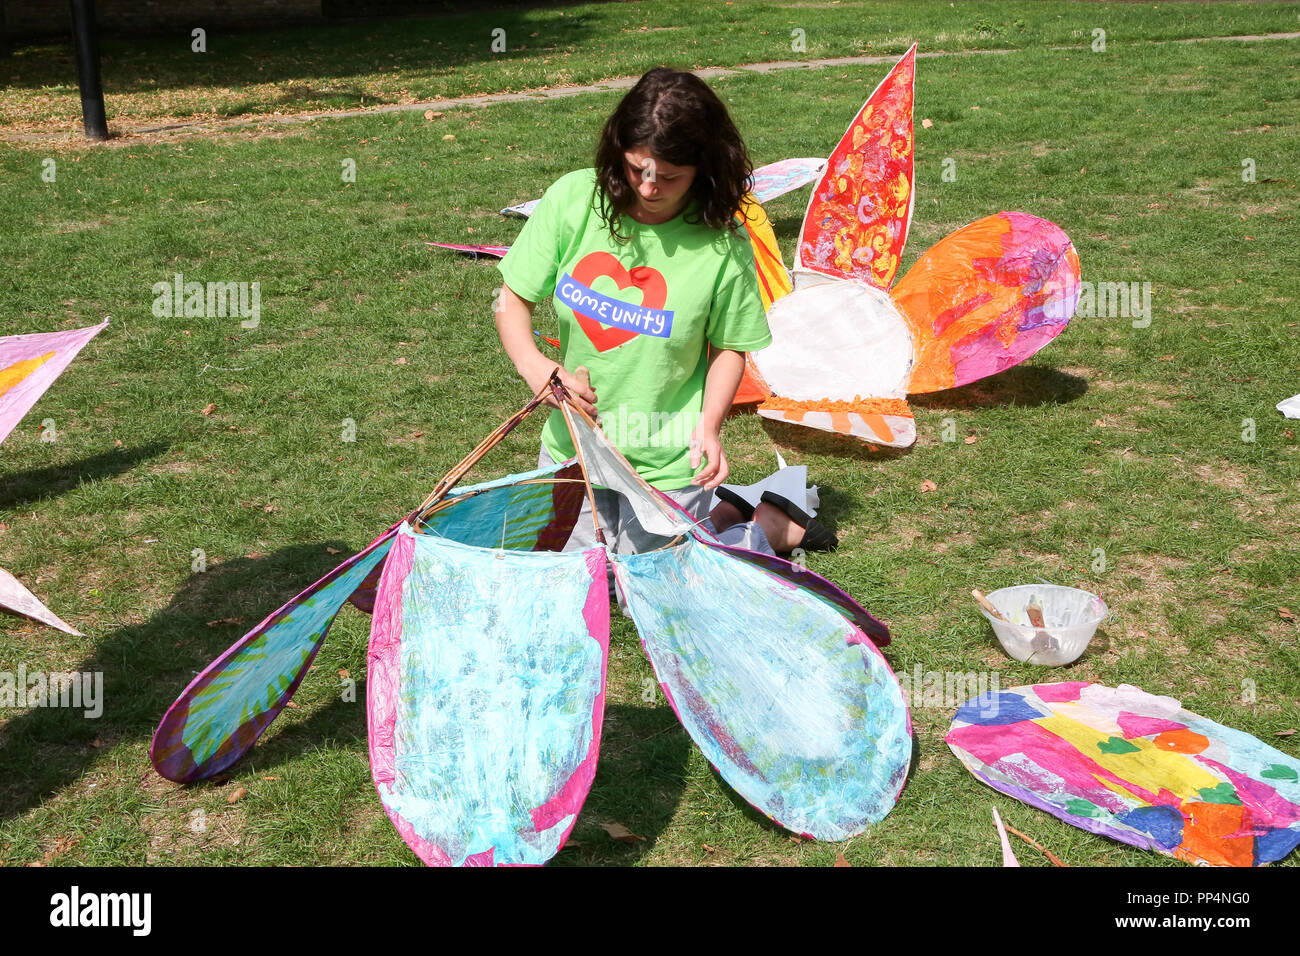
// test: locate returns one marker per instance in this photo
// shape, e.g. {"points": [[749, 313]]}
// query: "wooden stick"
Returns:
{"points": [[987, 605], [1036, 845]]}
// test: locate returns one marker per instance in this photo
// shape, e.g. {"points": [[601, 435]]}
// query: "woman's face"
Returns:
{"points": [[662, 189]]}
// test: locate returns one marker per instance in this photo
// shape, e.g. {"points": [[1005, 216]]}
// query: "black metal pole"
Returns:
{"points": [[92, 93]]}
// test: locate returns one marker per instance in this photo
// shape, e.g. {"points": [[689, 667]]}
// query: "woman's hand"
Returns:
{"points": [[514, 319], [706, 446]]}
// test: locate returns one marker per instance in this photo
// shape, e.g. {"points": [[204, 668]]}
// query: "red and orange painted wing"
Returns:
{"points": [[857, 220], [986, 297]]}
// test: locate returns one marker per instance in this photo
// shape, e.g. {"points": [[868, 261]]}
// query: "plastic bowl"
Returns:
{"points": [[1070, 618]]}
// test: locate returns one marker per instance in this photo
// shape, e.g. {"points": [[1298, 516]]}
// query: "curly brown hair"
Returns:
{"points": [[681, 121]]}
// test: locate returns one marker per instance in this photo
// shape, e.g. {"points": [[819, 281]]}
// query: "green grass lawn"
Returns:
{"points": [[1124, 439]]}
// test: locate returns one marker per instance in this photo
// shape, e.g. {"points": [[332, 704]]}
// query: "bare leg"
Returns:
{"points": [[783, 534], [724, 515]]}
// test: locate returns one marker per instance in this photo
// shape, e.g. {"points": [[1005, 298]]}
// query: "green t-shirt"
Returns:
{"points": [[639, 315]]}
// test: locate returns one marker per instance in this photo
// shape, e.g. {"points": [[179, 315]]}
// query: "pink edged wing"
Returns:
{"points": [[486, 697], [986, 297], [857, 220], [223, 711]]}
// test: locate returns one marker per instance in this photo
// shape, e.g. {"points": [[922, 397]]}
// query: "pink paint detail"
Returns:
{"points": [[571, 796], [984, 354], [1262, 800], [1081, 774], [1136, 725], [483, 858], [1059, 693], [949, 316]]}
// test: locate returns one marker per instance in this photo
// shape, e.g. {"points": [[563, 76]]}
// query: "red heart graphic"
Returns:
{"points": [[654, 292]]}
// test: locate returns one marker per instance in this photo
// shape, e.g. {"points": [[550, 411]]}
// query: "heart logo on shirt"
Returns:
{"points": [[654, 292]]}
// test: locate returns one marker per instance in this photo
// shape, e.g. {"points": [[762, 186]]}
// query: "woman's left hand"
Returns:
{"points": [[706, 445]]}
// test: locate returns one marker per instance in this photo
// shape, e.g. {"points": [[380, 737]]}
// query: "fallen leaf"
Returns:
{"points": [[254, 555], [448, 137], [209, 408], [839, 857], [332, 551], [268, 508], [417, 434], [1250, 238], [1285, 733], [974, 107], [400, 361], [97, 743], [927, 123], [971, 439], [1285, 612], [1164, 358], [236, 795], [343, 672], [709, 849], [3, 526], [428, 114], [117, 443], [293, 704], [928, 485], [266, 777], [621, 833], [225, 620], [1100, 423]]}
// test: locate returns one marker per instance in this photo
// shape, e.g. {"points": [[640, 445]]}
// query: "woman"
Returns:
{"points": [[648, 270]]}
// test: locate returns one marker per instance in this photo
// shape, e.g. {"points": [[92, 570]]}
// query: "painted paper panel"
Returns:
{"points": [[794, 705], [857, 220], [485, 696], [986, 297], [29, 364], [1136, 768], [227, 707], [17, 599]]}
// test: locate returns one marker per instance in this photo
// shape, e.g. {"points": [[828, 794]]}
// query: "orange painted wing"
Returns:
{"points": [[773, 283], [986, 297], [857, 220]]}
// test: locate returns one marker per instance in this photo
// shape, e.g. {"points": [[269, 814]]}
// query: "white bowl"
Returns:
{"points": [[1070, 618]]}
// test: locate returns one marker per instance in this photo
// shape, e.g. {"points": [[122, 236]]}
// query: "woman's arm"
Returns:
{"points": [[514, 318], [726, 369]]}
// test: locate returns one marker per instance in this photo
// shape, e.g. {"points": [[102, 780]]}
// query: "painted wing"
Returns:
{"points": [[858, 216], [227, 707], [794, 705], [485, 697], [986, 297], [784, 176], [496, 252], [17, 599], [1134, 767], [29, 364]]}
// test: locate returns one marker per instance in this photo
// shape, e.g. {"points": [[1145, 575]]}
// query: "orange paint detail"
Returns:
{"points": [[1182, 741], [840, 422], [13, 374], [752, 387], [862, 406], [1208, 832], [877, 424], [946, 301]]}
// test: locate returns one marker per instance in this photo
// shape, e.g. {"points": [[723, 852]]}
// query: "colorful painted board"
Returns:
{"points": [[1136, 768], [846, 351]]}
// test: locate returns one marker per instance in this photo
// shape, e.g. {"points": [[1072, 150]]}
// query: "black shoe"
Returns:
{"points": [[740, 504], [816, 536]]}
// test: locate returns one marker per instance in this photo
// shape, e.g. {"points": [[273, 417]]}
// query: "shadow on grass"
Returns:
{"points": [[38, 484], [432, 44], [145, 667], [1024, 385]]}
